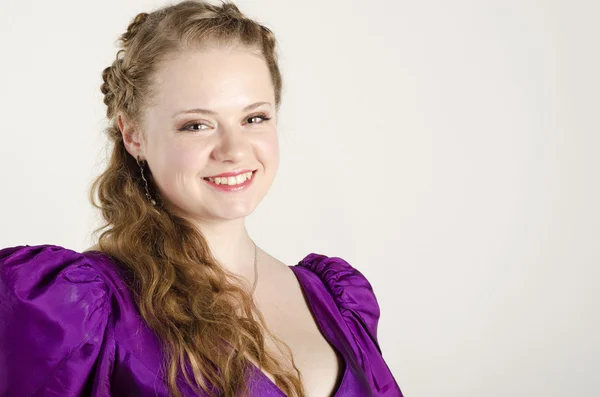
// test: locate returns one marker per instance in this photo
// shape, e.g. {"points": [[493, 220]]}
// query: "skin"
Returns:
{"points": [[224, 81], [180, 155]]}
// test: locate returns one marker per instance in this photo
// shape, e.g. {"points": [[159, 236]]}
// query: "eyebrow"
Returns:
{"points": [[207, 111]]}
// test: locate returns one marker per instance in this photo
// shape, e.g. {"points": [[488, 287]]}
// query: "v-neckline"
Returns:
{"points": [[324, 333]]}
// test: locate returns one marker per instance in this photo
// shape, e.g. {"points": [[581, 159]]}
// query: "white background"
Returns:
{"points": [[447, 149]]}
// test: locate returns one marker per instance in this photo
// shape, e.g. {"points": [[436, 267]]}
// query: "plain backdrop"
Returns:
{"points": [[449, 150]]}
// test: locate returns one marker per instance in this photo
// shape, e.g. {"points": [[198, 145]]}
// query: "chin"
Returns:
{"points": [[233, 213]]}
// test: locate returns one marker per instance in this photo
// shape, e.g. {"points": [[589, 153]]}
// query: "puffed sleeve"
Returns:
{"points": [[350, 290], [53, 314], [358, 305]]}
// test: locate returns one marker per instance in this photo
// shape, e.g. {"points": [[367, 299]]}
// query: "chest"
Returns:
{"points": [[288, 315]]}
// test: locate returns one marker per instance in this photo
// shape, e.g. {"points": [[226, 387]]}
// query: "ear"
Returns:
{"points": [[132, 137]]}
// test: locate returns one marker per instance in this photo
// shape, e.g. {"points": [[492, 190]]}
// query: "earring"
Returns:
{"points": [[141, 164]]}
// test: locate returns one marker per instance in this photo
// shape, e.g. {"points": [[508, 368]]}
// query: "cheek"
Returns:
{"points": [[180, 160], [269, 149]]}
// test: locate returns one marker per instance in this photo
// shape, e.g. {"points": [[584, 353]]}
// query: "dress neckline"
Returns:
{"points": [[325, 331], [310, 296]]}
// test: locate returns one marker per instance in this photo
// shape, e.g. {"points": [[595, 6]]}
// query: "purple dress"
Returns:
{"points": [[69, 327]]}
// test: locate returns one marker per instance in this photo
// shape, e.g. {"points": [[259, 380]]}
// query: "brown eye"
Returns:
{"points": [[258, 119], [187, 127]]}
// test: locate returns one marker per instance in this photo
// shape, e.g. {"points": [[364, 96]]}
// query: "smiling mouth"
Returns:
{"points": [[239, 179]]}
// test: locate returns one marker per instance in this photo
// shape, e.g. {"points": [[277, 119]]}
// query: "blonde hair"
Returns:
{"points": [[199, 311]]}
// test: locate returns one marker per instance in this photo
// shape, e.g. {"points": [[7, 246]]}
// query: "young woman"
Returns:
{"points": [[176, 299]]}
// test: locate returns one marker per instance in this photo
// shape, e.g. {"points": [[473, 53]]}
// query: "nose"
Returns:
{"points": [[232, 145]]}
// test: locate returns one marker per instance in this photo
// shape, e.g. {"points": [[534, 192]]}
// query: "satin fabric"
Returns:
{"points": [[69, 327]]}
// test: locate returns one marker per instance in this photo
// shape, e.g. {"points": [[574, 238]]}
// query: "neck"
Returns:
{"points": [[230, 245]]}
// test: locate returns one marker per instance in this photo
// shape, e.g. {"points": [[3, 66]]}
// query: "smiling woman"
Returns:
{"points": [[233, 133], [162, 305]]}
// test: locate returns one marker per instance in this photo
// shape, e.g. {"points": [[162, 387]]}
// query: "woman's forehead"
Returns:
{"points": [[220, 79], [212, 74]]}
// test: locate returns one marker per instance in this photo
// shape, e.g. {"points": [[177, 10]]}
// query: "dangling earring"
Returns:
{"points": [[141, 164]]}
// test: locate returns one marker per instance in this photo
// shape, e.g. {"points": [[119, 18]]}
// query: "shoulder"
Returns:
{"points": [[54, 303], [357, 303], [27, 267], [38, 274], [50, 279], [349, 288]]}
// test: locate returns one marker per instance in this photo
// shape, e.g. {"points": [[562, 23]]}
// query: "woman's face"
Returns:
{"points": [[214, 114]]}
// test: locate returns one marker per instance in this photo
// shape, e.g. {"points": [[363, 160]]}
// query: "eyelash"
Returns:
{"points": [[263, 116]]}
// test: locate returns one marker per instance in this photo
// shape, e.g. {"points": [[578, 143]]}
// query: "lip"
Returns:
{"points": [[231, 188], [228, 174]]}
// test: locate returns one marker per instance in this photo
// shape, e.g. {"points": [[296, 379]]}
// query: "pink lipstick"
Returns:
{"points": [[231, 181]]}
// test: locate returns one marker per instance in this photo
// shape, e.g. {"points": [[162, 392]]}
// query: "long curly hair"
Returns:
{"points": [[200, 312]]}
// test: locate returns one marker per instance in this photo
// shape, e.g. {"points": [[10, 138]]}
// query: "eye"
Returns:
{"points": [[187, 127], [258, 118]]}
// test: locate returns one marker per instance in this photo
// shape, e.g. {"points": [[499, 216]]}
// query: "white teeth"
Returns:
{"points": [[232, 180]]}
